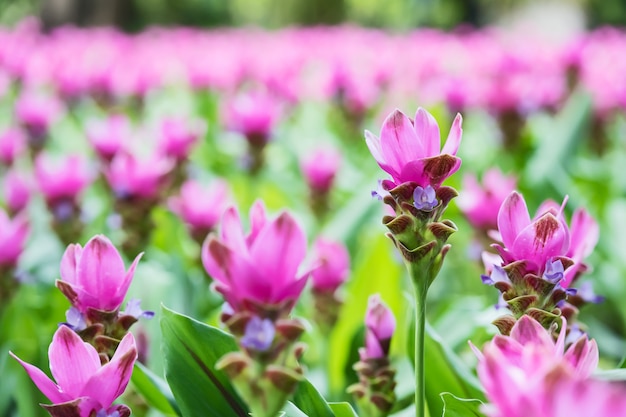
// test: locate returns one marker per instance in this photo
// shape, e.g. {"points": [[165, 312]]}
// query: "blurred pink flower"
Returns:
{"points": [[83, 387], [13, 234], [410, 150], [253, 114], [257, 272], [332, 265], [201, 206], [481, 204], [109, 136], [12, 144], [319, 169], [62, 178], [380, 324], [17, 191], [130, 176], [539, 242], [36, 112], [94, 276], [521, 372], [178, 136]]}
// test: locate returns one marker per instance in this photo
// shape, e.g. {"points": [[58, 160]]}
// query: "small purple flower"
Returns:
{"points": [[498, 274], [425, 199], [75, 319], [585, 291], [554, 271], [259, 334], [133, 308]]}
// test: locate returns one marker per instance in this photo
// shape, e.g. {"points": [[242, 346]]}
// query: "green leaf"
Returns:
{"points": [[154, 390], [611, 374], [190, 351], [343, 409], [309, 400], [460, 407], [291, 410]]}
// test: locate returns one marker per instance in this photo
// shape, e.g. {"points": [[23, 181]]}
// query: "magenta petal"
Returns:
{"points": [[427, 131], [72, 361], [258, 219], [232, 234], [217, 260], [112, 378], [513, 217], [399, 144], [373, 143], [290, 291], [583, 356], [120, 294], [454, 137], [279, 249], [528, 331], [69, 261], [45, 384], [101, 271], [584, 235], [542, 240]]}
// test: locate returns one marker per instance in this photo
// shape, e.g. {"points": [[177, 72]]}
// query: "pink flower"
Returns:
{"points": [[537, 242], [253, 114], [94, 276], [319, 169], [518, 372], [83, 385], [17, 191], [409, 150], [584, 234], [480, 204], [62, 178], [201, 206], [13, 234], [109, 136], [380, 325], [333, 265], [257, 272], [12, 144], [178, 136], [130, 176], [37, 112]]}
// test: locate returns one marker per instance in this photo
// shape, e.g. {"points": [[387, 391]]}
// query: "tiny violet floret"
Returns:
{"points": [[554, 271], [133, 308], [259, 334], [425, 199]]}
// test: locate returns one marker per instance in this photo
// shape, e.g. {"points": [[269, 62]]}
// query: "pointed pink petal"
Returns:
{"points": [[69, 261], [583, 356], [101, 271], [528, 331], [258, 219], [231, 231], [72, 361], [217, 259], [278, 251], [427, 131], [373, 143], [542, 240], [513, 217], [399, 144], [112, 378], [550, 206], [290, 291], [454, 137], [45, 384], [118, 299], [584, 235]]}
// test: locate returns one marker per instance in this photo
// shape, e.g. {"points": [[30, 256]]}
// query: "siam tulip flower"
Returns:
{"points": [[109, 136], [12, 144], [201, 206], [481, 204], [319, 169], [520, 372], [409, 150], [333, 265], [13, 234], [132, 177], [62, 179], [375, 390], [83, 387], [178, 136], [257, 272], [17, 191], [254, 114], [94, 277], [36, 112]]}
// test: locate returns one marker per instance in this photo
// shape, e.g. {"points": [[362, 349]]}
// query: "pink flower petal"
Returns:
{"points": [[454, 137], [120, 294], [529, 331], [399, 144], [258, 219], [69, 261], [373, 143], [513, 217], [541, 240], [427, 131], [45, 384], [232, 234]]}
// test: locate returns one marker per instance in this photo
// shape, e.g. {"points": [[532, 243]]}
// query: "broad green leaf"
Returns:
{"points": [[460, 407], [154, 390], [307, 399], [291, 410], [190, 351], [343, 409]]}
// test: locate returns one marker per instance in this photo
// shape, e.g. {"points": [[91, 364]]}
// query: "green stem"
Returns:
{"points": [[420, 286]]}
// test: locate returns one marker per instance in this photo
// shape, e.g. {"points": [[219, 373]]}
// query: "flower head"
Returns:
{"points": [[257, 272], [82, 383], [94, 276], [178, 136], [109, 136], [201, 205], [319, 169], [333, 265], [130, 176], [17, 191], [12, 144], [62, 179], [409, 150], [13, 234], [380, 325]]}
